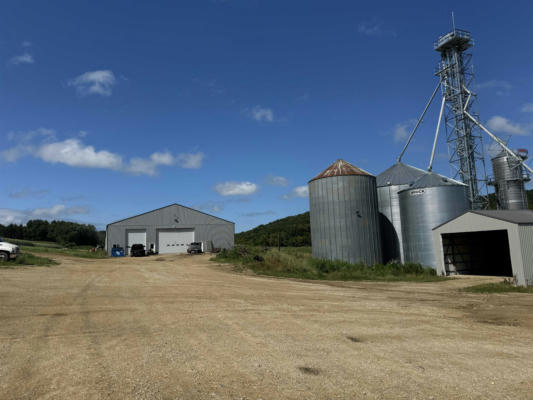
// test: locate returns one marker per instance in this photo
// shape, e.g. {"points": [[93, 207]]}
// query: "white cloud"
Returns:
{"points": [[264, 114], [402, 130], [503, 125], [528, 107], [59, 210], [52, 211], [277, 181], [94, 82], [493, 149], [258, 213], [374, 27], [213, 207], [236, 188], [190, 160], [299, 191], [27, 43], [162, 158], [27, 192], [74, 153], [25, 58], [502, 88], [11, 216]]}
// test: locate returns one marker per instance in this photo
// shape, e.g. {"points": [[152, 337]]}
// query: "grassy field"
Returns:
{"points": [[502, 287], [75, 252], [27, 259], [296, 262], [28, 246]]}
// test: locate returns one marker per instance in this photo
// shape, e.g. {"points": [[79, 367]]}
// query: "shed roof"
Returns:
{"points": [[432, 179], [519, 217], [170, 205], [399, 174], [340, 168]]}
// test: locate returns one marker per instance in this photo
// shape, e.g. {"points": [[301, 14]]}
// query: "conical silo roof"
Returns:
{"points": [[399, 174], [340, 168], [432, 179]]}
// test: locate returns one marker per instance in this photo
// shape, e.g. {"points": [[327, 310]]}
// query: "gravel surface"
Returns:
{"points": [[182, 327]]}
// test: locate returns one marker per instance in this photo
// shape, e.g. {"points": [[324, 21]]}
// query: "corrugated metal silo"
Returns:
{"points": [[344, 215], [430, 201], [509, 181], [389, 183]]}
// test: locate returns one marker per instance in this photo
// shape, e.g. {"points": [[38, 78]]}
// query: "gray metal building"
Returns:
{"points": [[344, 215], [487, 242], [170, 229]]}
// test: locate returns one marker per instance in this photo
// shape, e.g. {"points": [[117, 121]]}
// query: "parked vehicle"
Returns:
{"points": [[195, 248], [8, 251], [137, 250]]}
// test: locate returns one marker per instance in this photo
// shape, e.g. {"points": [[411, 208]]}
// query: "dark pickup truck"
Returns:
{"points": [[195, 248]]}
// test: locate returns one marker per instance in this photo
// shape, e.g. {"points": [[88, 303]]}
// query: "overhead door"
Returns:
{"points": [[136, 236], [174, 240]]}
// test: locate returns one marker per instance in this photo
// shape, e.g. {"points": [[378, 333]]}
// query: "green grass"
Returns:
{"points": [[27, 259], [296, 262], [501, 287], [65, 251]]}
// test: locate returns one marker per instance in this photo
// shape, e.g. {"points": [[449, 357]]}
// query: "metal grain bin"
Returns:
{"points": [[430, 201], [509, 181], [344, 215], [389, 183]]}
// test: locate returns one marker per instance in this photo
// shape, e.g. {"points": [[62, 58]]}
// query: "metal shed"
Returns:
{"points": [[170, 229], [487, 242]]}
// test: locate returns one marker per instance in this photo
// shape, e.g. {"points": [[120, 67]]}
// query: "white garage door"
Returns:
{"points": [[136, 236], [175, 240]]}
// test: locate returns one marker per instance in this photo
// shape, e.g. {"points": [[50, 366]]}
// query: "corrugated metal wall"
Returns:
{"points": [[214, 231], [421, 211], [525, 233], [344, 219], [391, 222]]}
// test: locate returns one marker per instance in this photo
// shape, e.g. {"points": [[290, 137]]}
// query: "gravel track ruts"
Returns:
{"points": [[182, 327]]}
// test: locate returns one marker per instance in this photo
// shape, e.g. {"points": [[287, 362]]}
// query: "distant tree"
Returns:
{"points": [[292, 231]]}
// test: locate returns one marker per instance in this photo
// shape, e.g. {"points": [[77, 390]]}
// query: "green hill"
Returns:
{"points": [[292, 231]]}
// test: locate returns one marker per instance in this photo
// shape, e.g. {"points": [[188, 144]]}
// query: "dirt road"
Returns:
{"points": [[182, 328]]}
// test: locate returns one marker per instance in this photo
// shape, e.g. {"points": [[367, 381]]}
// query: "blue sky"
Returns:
{"points": [[109, 109]]}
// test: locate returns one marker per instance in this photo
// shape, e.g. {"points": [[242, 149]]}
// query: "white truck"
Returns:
{"points": [[8, 251]]}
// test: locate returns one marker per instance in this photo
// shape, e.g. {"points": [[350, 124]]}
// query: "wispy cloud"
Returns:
{"points": [[262, 114], [210, 207], [42, 144], [94, 82], [190, 160], [12, 216], [236, 188], [403, 129], [258, 213], [25, 58], [374, 27], [502, 88], [501, 124], [277, 180], [27, 43], [299, 191], [27, 192], [528, 107]]}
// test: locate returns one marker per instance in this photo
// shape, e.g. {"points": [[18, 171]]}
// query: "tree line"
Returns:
{"points": [[62, 232], [294, 231]]}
